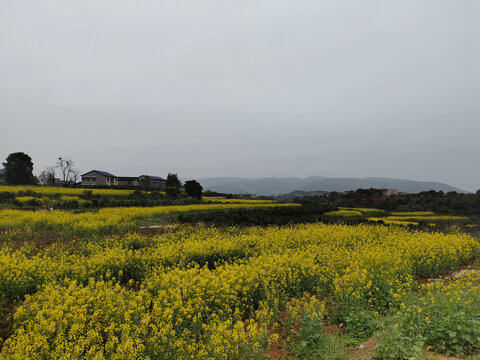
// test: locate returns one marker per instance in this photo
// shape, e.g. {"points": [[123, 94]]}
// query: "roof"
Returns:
{"points": [[104, 173], [2, 171], [153, 177]]}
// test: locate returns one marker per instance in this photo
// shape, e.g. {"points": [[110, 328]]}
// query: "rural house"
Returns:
{"points": [[390, 192], [2, 176], [152, 181], [97, 177], [128, 181]]}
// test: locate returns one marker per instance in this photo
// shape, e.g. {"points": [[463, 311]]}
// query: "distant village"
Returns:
{"points": [[104, 178], [101, 178]]}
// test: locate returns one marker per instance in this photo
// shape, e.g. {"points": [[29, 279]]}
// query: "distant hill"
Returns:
{"points": [[277, 186], [300, 194]]}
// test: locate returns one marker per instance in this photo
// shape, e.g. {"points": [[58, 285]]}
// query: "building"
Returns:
{"points": [[99, 178], [152, 181], [390, 192], [60, 182], [128, 181], [2, 176]]}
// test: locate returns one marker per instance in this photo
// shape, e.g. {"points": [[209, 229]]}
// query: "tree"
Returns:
{"points": [[146, 182], [67, 170], [173, 185], [193, 189], [19, 169], [47, 177]]}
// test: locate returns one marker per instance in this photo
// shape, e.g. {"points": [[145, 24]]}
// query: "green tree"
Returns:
{"points": [[173, 185], [146, 182], [193, 189], [19, 169]]}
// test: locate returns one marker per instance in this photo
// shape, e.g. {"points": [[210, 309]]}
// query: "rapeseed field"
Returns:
{"points": [[105, 291]]}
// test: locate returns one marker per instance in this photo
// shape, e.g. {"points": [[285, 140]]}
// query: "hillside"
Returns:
{"points": [[275, 186]]}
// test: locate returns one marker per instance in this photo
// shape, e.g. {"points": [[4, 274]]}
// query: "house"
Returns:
{"points": [[390, 192], [2, 176], [152, 181], [128, 181], [99, 178], [60, 182]]}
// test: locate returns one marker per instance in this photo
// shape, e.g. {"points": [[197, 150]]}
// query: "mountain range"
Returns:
{"points": [[285, 185]]}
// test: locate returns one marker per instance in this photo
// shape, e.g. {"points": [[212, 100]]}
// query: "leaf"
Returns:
{"points": [[452, 333]]}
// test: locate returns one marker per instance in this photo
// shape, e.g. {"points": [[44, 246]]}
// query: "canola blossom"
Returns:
{"points": [[443, 317], [51, 190], [223, 200], [426, 218], [205, 293], [412, 213], [363, 210], [344, 213], [389, 221], [104, 221]]}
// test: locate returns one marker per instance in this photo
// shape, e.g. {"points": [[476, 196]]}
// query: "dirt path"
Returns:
{"points": [[365, 351]]}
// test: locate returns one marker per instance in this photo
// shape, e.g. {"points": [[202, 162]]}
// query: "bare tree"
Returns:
{"points": [[47, 177], [75, 176], [67, 170]]}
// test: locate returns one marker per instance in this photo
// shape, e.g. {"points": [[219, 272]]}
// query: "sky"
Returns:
{"points": [[251, 88]]}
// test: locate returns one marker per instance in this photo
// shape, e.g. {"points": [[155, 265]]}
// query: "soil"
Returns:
{"points": [[6, 322], [365, 351], [40, 238], [433, 356], [154, 229]]}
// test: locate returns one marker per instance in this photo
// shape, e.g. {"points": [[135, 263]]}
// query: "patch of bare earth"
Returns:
{"points": [[365, 351], [40, 239], [156, 229], [434, 356], [7, 308]]}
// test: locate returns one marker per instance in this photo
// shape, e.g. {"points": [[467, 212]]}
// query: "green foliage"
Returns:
{"points": [[443, 317], [436, 201], [146, 182], [360, 324], [19, 169], [255, 216], [193, 189], [173, 185], [454, 326], [304, 332], [395, 344], [303, 326]]}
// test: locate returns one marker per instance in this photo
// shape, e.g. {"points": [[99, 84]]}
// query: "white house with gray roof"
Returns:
{"points": [[99, 178]]}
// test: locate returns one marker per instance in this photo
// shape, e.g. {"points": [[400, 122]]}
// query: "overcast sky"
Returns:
{"points": [[247, 88]]}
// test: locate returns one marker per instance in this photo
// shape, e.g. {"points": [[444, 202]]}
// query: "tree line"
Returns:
{"points": [[437, 201], [19, 171]]}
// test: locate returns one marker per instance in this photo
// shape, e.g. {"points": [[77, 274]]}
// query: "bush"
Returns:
{"points": [[444, 318], [360, 324]]}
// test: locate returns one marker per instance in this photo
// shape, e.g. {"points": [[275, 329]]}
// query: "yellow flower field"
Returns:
{"points": [[344, 213], [104, 221], [223, 200], [363, 210], [50, 190], [198, 292]]}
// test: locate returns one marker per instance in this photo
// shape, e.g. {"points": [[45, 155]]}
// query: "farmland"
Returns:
{"points": [[102, 285]]}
